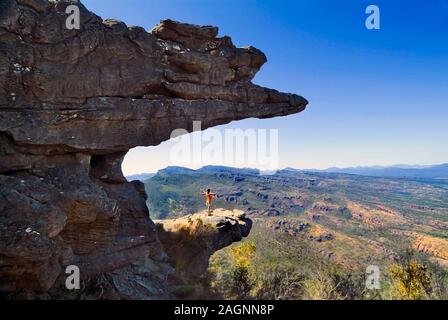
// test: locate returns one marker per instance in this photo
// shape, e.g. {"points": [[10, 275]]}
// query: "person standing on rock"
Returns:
{"points": [[208, 200]]}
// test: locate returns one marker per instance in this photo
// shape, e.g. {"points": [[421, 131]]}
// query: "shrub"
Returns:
{"points": [[277, 283], [410, 279], [232, 278]]}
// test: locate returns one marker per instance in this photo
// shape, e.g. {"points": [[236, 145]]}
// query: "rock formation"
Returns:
{"points": [[192, 239], [72, 103]]}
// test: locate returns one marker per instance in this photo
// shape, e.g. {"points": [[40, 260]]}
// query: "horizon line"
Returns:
{"points": [[400, 166]]}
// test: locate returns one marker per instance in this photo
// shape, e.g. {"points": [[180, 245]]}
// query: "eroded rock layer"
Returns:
{"points": [[192, 239], [72, 103]]}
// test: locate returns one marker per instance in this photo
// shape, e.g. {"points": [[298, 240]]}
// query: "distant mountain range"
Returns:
{"points": [[140, 176], [170, 170], [397, 171]]}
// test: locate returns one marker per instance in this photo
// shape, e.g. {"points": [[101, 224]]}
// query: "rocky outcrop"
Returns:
{"points": [[192, 239], [72, 103]]}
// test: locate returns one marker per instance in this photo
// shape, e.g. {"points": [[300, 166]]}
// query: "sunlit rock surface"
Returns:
{"points": [[72, 103]]}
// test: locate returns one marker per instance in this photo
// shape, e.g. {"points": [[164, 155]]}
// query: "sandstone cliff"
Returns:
{"points": [[72, 103], [192, 239]]}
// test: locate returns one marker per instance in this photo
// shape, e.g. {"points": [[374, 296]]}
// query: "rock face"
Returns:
{"points": [[192, 239], [72, 103]]}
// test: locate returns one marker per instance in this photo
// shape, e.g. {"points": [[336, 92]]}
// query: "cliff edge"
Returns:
{"points": [[72, 103], [191, 240]]}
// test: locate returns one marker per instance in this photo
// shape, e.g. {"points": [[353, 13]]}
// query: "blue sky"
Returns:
{"points": [[377, 97]]}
